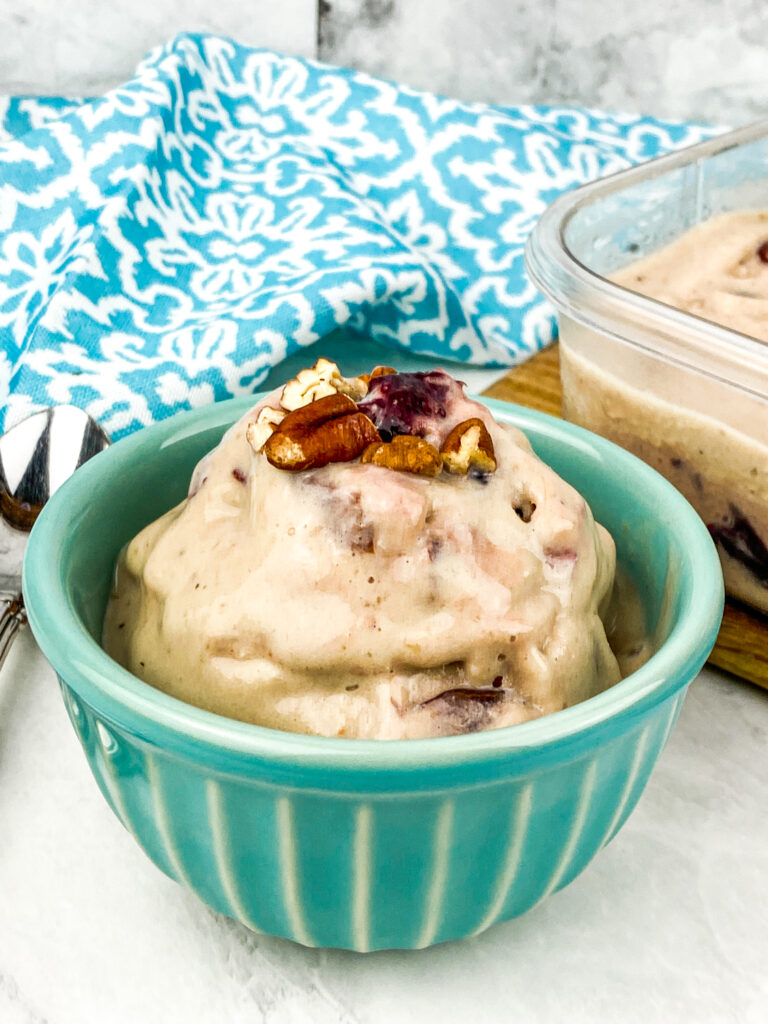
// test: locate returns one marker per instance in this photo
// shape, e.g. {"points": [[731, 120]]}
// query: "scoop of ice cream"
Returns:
{"points": [[356, 600]]}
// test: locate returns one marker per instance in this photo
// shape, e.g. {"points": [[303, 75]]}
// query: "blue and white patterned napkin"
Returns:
{"points": [[167, 244]]}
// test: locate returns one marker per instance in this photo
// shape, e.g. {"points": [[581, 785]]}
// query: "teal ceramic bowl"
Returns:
{"points": [[353, 843]]}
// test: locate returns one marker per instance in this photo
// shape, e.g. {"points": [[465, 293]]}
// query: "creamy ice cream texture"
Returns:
{"points": [[355, 599], [711, 443], [717, 270]]}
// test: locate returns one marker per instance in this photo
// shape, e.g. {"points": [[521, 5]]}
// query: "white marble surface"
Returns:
{"points": [[668, 924], [84, 47], [694, 58], [691, 59]]}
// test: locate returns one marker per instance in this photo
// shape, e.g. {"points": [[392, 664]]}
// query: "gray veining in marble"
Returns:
{"points": [[695, 58]]}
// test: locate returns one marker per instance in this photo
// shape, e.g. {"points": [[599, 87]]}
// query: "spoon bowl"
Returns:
{"points": [[36, 457]]}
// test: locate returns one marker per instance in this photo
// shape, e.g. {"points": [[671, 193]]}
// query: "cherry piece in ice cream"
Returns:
{"points": [[410, 403], [739, 540]]}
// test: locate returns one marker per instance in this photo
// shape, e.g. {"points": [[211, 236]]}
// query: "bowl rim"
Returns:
{"points": [[124, 698]]}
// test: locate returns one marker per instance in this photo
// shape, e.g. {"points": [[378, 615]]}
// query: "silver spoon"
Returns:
{"points": [[36, 457]]}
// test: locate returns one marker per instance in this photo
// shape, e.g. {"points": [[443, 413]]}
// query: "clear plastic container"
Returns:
{"points": [[686, 395]]}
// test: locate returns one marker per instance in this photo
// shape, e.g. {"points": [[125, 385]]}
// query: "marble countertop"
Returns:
{"points": [[688, 59], [667, 924]]}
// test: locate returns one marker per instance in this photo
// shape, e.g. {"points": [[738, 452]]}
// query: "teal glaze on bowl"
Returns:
{"points": [[353, 843]]}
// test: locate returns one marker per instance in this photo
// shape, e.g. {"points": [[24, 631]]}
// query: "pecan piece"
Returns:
{"points": [[469, 445], [320, 381], [330, 407], [405, 453], [308, 385], [256, 433], [328, 430], [355, 387], [379, 371]]}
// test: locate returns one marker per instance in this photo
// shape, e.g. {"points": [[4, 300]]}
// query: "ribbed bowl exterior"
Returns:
{"points": [[372, 869]]}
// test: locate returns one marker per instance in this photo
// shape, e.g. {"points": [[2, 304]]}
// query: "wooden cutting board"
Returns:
{"points": [[742, 644]]}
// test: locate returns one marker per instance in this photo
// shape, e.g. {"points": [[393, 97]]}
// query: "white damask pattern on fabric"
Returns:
{"points": [[167, 244]]}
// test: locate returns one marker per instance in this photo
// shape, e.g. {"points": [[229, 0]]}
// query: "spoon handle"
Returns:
{"points": [[13, 616]]}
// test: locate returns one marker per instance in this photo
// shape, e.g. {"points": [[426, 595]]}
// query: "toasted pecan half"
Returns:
{"points": [[330, 429], [406, 454], [469, 444]]}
